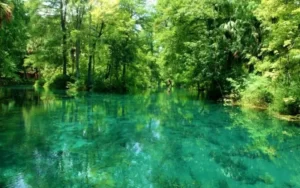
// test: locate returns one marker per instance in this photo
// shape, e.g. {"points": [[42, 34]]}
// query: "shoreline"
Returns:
{"points": [[290, 118]]}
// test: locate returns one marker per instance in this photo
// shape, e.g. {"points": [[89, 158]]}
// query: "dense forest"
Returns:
{"points": [[242, 51]]}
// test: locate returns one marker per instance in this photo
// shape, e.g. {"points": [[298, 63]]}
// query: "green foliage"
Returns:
{"points": [[257, 92], [278, 63], [246, 50], [5, 12], [107, 86], [39, 83], [75, 87], [13, 38], [59, 82], [206, 42], [286, 100]]}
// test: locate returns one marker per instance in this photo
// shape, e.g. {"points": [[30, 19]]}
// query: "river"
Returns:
{"points": [[153, 139]]}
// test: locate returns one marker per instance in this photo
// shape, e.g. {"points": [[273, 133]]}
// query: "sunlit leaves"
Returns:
{"points": [[204, 41], [102, 8], [5, 12], [13, 37]]}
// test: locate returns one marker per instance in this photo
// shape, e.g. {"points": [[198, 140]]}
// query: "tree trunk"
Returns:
{"points": [[24, 67], [124, 77], [73, 58], [89, 81], [79, 16], [198, 86], [63, 11], [25, 73], [92, 53], [93, 71], [64, 54], [77, 58]]}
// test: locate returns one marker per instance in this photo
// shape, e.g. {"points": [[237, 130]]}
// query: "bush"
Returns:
{"points": [[287, 100], [60, 82], [39, 83], [235, 89], [257, 92], [107, 86], [78, 85], [290, 106]]}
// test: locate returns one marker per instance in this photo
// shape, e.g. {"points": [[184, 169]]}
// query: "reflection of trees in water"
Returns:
{"points": [[267, 135], [123, 140], [179, 139], [20, 97], [82, 134], [270, 140]]}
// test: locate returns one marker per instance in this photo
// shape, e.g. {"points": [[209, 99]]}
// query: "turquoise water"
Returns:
{"points": [[154, 139]]}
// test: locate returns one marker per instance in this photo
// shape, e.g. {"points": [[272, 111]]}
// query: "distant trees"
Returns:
{"points": [[243, 50], [102, 41]]}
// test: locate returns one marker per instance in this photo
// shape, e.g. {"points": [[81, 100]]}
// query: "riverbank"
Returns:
{"points": [[227, 102], [290, 118], [7, 82]]}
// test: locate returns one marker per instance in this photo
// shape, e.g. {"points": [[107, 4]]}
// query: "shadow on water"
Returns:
{"points": [[153, 139]]}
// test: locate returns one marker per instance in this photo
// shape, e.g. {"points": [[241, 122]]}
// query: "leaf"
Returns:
{"points": [[287, 43]]}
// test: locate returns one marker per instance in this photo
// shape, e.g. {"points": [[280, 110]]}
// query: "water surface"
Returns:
{"points": [[153, 139]]}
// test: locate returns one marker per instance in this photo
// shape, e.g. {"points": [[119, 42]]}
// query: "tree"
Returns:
{"points": [[204, 42], [79, 8], [63, 22], [49, 42], [279, 58], [13, 38]]}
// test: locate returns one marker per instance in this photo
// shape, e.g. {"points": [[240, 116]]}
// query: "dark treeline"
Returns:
{"points": [[245, 51]]}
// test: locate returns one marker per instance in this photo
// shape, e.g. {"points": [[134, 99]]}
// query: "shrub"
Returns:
{"points": [[287, 100], [257, 92], [39, 83], [107, 86], [78, 85], [60, 82]]}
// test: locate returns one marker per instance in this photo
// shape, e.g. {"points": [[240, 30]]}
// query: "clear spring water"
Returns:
{"points": [[154, 139]]}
